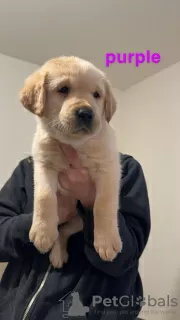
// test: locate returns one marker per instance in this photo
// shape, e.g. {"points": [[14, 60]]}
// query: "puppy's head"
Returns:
{"points": [[70, 96]]}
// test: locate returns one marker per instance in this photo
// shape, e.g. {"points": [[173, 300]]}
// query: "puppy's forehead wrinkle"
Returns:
{"points": [[71, 67], [64, 61]]}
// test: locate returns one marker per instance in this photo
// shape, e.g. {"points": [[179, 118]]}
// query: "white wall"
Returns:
{"points": [[148, 127], [16, 124]]}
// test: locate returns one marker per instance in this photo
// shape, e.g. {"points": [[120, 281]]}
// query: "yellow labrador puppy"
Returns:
{"points": [[73, 104]]}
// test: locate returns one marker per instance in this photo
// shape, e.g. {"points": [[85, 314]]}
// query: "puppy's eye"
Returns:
{"points": [[64, 90], [96, 95]]}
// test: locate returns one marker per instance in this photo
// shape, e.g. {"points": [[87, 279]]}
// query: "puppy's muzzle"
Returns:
{"points": [[84, 116]]}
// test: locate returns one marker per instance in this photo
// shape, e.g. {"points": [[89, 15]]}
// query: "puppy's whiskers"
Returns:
{"points": [[49, 122]]}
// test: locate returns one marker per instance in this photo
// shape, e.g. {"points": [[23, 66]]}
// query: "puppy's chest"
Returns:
{"points": [[94, 154], [50, 154]]}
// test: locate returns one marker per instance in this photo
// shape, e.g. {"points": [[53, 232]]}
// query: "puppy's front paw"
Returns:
{"points": [[43, 235], [108, 245], [59, 255]]}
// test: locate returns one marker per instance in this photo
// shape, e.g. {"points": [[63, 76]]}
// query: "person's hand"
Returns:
{"points": [[76, 179], [66, 207]]}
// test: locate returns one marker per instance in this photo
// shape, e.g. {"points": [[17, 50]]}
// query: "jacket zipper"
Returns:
{"points": [[36, 294]]}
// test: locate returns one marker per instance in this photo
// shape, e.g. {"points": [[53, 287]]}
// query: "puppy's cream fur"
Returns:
{"points": [[56, 123]]}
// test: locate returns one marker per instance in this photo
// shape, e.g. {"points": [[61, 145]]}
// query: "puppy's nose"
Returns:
{"points": [[85, 115]]}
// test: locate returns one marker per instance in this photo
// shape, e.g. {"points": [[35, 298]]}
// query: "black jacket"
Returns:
{"points": [[31, 289]]}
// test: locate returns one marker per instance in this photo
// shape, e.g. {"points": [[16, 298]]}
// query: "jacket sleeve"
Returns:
{"points": [[14, 223], [134, 222]]}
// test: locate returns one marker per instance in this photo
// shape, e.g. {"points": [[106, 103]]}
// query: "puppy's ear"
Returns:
{"points": [[33, 94], [110, 104]]}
